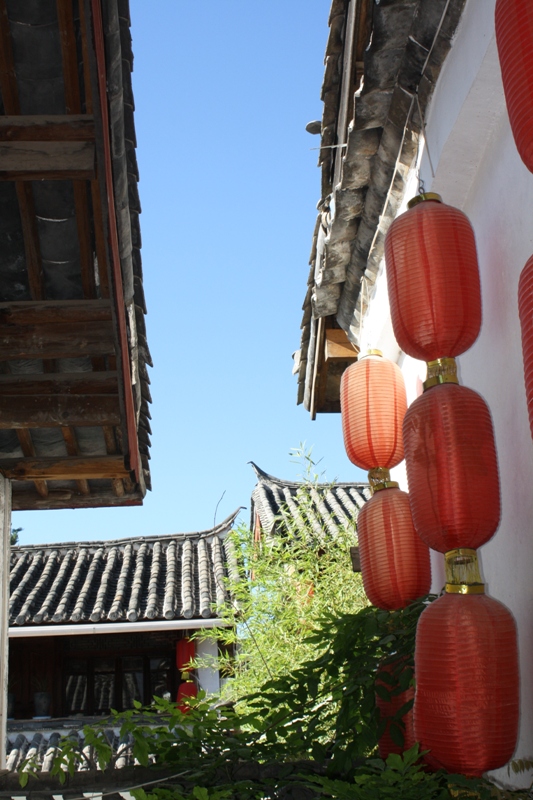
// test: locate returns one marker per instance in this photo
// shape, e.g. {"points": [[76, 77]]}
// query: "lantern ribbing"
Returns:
{"points": [[466, 663]]}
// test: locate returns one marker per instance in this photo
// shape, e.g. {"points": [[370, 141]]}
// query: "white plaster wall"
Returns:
{"points": [[478, 170], [208, 676]]}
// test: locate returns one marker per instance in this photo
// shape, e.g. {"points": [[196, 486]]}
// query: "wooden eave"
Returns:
{"points": [[74, 428]]}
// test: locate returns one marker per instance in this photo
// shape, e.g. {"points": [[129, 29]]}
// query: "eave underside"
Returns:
{"points": [[64, 434], [382, 63]]}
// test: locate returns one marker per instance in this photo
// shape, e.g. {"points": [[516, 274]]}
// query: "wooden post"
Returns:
{"points": [[5, 537]]}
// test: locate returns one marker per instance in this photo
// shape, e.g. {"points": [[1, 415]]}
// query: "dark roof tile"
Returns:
{"points": [[129, 580]]}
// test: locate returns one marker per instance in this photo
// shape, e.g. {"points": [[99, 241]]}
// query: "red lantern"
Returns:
{"points": [[184, 654], [373, 405], [467, 698], [388, 708], [514, 37], [452, 468], [525, 311], [395, 564], [185, 690], [433, 280]]}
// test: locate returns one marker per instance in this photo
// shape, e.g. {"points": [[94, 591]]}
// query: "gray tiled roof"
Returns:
{"points": [[325, 507], [39, 742], [178, 576]]}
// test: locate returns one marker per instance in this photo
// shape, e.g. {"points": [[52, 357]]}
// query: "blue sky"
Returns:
{"points": [[228, 186]]}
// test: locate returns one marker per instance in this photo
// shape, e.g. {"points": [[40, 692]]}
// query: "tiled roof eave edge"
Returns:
{"points": [[350, 258], [220, 529], [88, 629]]}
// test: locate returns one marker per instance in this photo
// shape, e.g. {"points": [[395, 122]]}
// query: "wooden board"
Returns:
{"points": [[50, 411], [63, 469], [61, 340], [338, 347], [50, 311], [47, 128], [36, 161]]}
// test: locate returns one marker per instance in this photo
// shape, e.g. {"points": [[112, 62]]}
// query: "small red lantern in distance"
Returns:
{"points": [[452, 468], [373, 405], [395, 564], [514, 37], [467, 697], [525, 311], [433, 280], [185, 690], [388, 708], [184, 654]]}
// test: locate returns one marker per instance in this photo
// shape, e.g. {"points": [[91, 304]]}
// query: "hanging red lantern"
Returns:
{"points": [[452, 468], [184, 654], [525, 311], [467, 696], [373, 405], [514, 37], [390, 706], [395, 564], [433, 280], [185, 690]]}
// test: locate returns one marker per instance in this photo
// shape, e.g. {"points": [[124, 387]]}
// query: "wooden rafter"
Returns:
{"points": [[73, 102], [9, 89], [71, 442], [26, 445]]}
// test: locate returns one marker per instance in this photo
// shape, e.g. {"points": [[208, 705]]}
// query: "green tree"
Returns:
{"points": [[14, 537]]}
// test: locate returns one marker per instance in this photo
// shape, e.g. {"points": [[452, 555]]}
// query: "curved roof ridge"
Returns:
{"points": [[266, 477], [222, 527]]}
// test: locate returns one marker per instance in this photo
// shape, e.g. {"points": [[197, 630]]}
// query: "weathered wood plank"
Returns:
{"points": [[337, 346], [61, 498], [63, 469], [50, 411], [47, 128], [50, 311], [35, 161], [61, 340], [54, 383]]}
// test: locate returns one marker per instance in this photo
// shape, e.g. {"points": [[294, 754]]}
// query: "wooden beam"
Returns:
{"points": [[50, 411], [54, 311], [38, 161], [61, 498], [63, 469], [47, 128], [59, 383], [65, 340]]}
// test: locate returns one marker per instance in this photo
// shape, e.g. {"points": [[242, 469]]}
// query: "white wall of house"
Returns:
{"points": [[208, 676], [478, 170]]}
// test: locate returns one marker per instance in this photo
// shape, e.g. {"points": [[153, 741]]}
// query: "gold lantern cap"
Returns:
{"points": [[441, 370], [379, 478], [372, 353], [421, 198], [462, 572]]}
